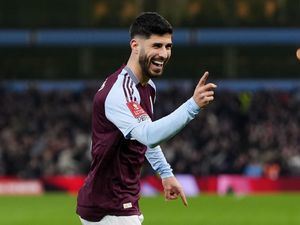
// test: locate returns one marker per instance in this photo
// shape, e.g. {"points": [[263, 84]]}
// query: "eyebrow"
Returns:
{"points": [[160, 44]]}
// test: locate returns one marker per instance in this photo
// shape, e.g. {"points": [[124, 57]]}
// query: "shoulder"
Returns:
{"points": [[109, 83], [123, 90]]}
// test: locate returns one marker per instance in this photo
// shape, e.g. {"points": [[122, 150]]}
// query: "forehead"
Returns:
{"points": [[164, 39]]}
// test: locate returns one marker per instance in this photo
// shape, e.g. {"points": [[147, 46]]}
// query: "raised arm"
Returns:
{"points": [[153, 133]]}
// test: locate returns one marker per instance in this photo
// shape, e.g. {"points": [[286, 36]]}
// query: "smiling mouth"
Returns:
{"points": [[157, 63]]}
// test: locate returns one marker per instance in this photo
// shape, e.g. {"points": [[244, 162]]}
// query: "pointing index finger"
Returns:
{"points": [[203, 79], [183, 198]]}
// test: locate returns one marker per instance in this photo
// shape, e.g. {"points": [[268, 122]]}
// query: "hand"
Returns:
{"points": [[204, 93], [173, 189]]}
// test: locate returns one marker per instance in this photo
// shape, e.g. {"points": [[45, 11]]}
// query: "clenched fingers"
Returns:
{"points": [[207, 87], [204, 93], [173, 194]]}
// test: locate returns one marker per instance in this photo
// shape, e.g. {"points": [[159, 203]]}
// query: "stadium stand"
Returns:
{"points": [[45, 132]]}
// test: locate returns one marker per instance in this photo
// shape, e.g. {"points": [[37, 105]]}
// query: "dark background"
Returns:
{"points": [[189, 60]]}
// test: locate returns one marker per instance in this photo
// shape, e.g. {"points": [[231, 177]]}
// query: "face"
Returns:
{"points": [[154, 53]]}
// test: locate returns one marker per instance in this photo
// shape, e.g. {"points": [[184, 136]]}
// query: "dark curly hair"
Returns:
{"points": [[149, 23]]}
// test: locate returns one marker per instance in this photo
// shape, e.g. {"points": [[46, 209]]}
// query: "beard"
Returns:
{"points": [[145, 64]]}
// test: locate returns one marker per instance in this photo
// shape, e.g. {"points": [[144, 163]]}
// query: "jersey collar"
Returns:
{"points": [[131, 74]]}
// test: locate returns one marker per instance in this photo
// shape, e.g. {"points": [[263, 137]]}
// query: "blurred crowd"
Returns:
{"points": [[44, 133], [252, 133]]}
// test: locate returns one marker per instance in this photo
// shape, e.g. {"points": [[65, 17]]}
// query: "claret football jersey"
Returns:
{"points": [[112, 185], [123, 133]]}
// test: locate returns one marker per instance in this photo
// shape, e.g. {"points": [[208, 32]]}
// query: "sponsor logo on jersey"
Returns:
{"points": [[127, 205]]}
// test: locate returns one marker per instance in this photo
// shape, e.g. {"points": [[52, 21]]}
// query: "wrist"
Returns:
{"points": [[166, 175], [192, 106]]}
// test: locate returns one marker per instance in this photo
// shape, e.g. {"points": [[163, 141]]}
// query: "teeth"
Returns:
{"points": [[158, 63]]}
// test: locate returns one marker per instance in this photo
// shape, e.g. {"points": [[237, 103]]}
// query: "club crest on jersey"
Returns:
{"points": [[137, 111]]}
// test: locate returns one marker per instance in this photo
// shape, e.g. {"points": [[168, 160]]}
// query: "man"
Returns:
{"points": [[124, 131]]}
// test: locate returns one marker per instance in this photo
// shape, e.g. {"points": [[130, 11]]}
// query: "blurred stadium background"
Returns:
{"points": [[54, 55]]}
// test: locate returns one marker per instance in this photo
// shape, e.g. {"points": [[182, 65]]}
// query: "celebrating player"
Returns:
{"points": [[123, 130]]}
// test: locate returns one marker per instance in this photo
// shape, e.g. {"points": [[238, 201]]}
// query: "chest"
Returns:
{"points": [[147, 95]]}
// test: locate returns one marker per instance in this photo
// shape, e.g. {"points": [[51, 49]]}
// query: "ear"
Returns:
{"points": [[134, 46]]}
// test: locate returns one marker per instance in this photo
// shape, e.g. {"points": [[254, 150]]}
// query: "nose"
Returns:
{"points": [[163, 53]]}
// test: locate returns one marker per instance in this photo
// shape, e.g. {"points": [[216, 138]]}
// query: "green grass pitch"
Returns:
{"points": [[50, 209]]}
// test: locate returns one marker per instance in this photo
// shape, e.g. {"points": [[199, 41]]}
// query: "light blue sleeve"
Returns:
{"points": [[143, 129], [158, 162], [117, 110], [153, 133]]}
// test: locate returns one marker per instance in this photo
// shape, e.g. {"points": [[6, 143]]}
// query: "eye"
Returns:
{"points": [[169, 46], [157, 45]]}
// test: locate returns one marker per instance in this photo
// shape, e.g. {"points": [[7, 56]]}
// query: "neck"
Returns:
{"points": [[137, 71]]}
